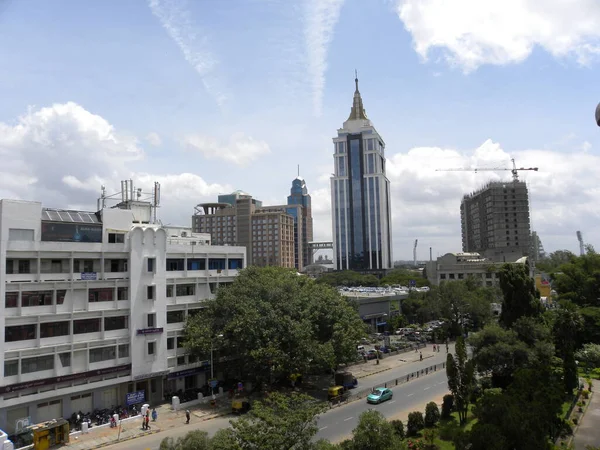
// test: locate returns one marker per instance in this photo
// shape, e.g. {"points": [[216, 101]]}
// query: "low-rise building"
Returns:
{"points": [[94, 308], [460, 266]]}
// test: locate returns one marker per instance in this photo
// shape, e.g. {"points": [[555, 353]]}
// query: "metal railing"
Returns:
{"points": [[351, 396]]}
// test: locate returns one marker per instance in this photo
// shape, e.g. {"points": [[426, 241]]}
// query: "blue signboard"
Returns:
{"points": [[213, 383], [89, 276], [412, 283], [133, 398]]}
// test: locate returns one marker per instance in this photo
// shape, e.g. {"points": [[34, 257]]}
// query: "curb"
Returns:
{"points": [[576, 427], [390, 368]]}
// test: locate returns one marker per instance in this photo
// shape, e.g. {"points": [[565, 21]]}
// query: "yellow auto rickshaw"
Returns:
{"points": [[240, 405], [49, 434], [335, 392]]}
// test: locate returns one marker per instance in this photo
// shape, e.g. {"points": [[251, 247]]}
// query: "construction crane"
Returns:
{"points": [[415, 253], [514, 170]]}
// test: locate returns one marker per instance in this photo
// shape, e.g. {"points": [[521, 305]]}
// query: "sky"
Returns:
{"points": [[210, 96]]}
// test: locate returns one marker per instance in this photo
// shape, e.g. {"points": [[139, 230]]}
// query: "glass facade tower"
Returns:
{"points": [[360, 193]]}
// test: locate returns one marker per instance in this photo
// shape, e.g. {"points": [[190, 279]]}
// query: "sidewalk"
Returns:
{"points": [[131, 428], [588, 432]]}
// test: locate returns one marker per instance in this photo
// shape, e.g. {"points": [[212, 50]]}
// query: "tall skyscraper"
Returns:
{"points": [[303, 222], [360, 195], [495, 221]]}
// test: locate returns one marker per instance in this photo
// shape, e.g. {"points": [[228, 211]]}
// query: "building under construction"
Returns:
{"points": [[495, 221]]}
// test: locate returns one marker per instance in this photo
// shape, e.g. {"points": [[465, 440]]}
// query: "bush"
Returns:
{"points": [[398, 428], [415, 423], [585, 394], [432, 414], [447, 406]]}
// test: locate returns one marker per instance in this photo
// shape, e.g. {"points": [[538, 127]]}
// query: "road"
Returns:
{"points": [[336, 424]]}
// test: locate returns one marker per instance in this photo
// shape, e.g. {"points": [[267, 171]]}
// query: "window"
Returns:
{"points": [[36, 298], [170, 343], [116, 238], [175, 316], [216, 264], [60, 296], [196, 264], [151, 320], [86, 326], [65, 359], [102, 354], [19, 333], [122, 293], [10, 264], [117, 265], [169, 290], [151, 264], [11, 368], [174, 264], [181, 360], [180, 341], [53, 329], [83, 265], [124, 351], [150, 292], [24, 266], [101, 295], [11, 299], [151, 348], [18, 234], [116, 323], [185, 289], [37, 364]]}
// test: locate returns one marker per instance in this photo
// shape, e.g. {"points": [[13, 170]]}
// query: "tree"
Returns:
{"points": [[398, 428], [579, 280], [194, 440], [274, 323], [447, 406], [567, 326], [224, 439], [403, 277], [279, 422], [374, 432], [461, 378], [589, 355], [591, 325], [348, 278], [554, 261], [520, 294], [415, 423], [432, 414]]}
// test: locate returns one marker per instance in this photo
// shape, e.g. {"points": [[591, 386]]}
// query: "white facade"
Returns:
{"points": [[93, 308], [360, 195]]}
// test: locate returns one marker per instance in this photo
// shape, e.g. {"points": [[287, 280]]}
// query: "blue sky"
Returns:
{"points": [[214, 95]]}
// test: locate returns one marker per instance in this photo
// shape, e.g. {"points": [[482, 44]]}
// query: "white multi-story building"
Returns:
{"points": [[360, 195], [94, 308]]}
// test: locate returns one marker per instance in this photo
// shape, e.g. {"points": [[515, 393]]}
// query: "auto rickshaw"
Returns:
{"points": [[240, 404], [335, 392], [48, 434]]}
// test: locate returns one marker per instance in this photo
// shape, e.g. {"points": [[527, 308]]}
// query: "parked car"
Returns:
{"points": [[379, 395]]}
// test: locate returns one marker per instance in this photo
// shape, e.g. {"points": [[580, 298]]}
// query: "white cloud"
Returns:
{"points": [[154, 139], [320, 19], [474, 32], [176, 20], [564, 195], [62, 154], [240, 149]]}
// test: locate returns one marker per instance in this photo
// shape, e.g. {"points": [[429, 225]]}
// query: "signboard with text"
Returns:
{"points": [[71, 232], [149, 330], [133, 398]]}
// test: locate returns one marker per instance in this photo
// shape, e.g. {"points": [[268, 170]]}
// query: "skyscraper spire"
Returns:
{"points": [[358, 111]]}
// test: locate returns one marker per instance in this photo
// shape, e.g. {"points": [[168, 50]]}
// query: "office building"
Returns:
{"points": [[266, 232], [300, 208], [495, 221], [360, 195], [94, 308]]}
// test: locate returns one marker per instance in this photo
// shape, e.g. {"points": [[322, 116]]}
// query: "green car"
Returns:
{"points": [[379, 395]]}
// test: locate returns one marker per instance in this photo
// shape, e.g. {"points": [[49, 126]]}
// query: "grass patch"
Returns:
{"points": [[471, 420], [444, 445]]}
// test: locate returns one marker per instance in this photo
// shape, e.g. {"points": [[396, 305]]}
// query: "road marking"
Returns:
{"points": [[428, 387], [322, 428], [392, 401], [345, 420], [410, 394]]}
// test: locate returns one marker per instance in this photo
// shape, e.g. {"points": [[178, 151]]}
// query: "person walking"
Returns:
{"points": [[421, 356], [147, 419], [187, 416], [154, 415]]}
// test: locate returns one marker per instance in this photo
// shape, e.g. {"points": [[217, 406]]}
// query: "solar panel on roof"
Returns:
{"points": [[53, 215]]}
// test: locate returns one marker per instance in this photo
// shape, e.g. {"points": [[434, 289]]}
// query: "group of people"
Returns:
{"points": [[146, 418]]}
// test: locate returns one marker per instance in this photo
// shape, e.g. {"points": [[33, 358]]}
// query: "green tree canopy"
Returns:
{"points": [[275, 322], [567, 326], [348, 278], [374, 432], [589, 355], [554, 261], [461, 378], [591, 325], [194, 440], [579, 280], [279, 422], [403, 277], [520, 294]]}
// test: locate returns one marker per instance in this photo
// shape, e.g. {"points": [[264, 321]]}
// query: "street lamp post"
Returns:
{"points": [[212, 368]]}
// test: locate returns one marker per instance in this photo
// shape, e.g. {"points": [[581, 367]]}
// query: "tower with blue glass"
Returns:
{"points": [[299, 206], [360, 195]]}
